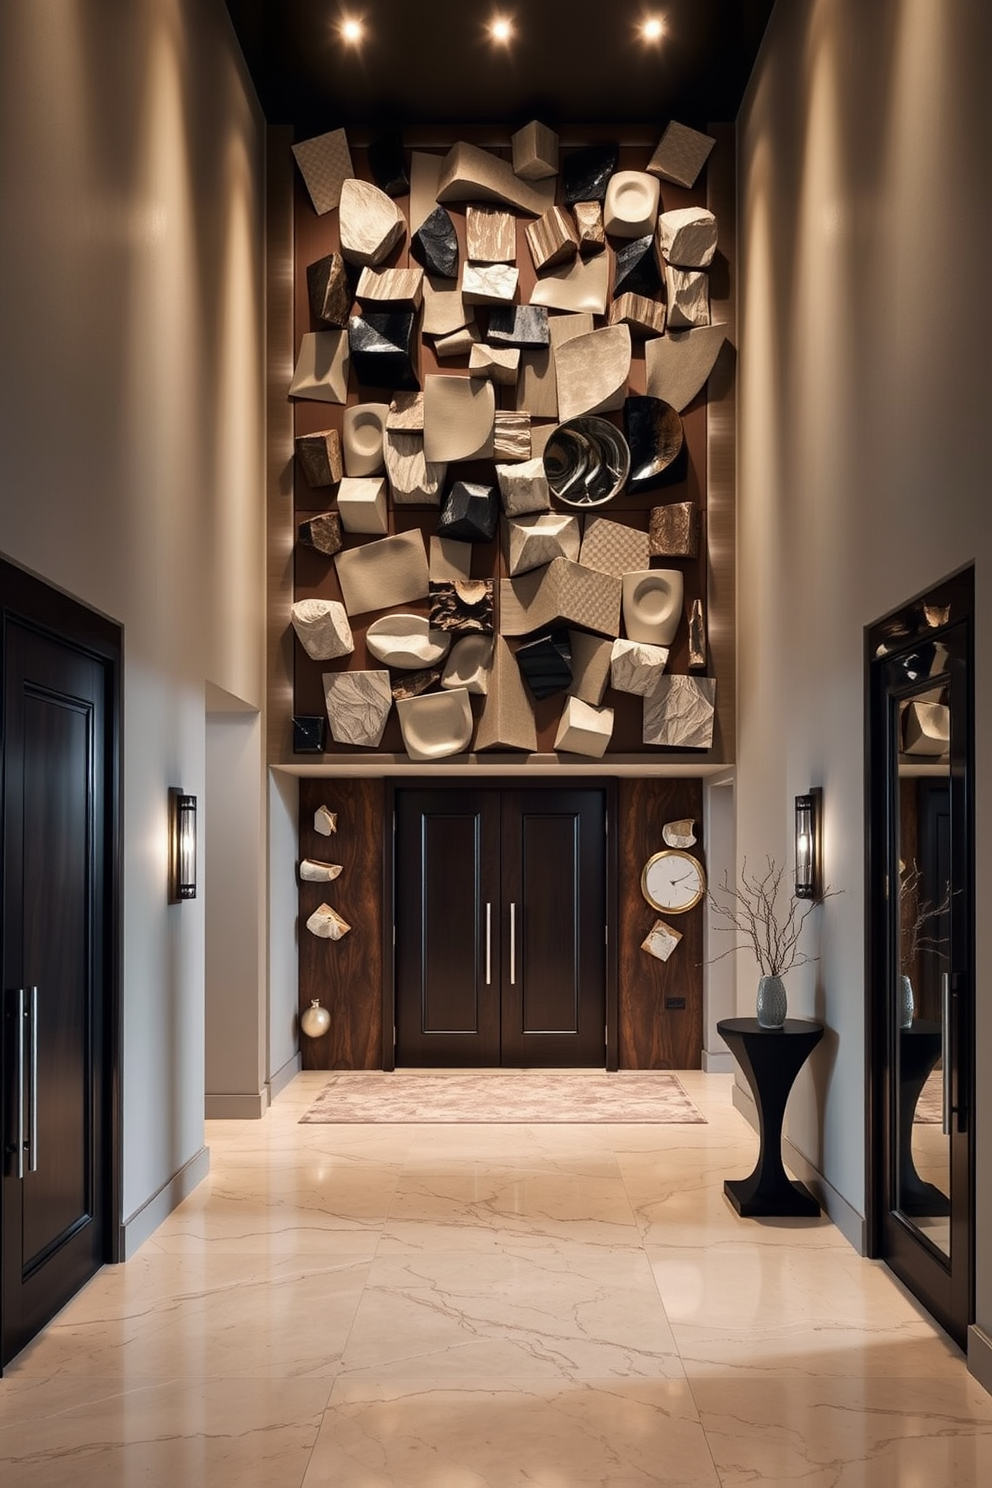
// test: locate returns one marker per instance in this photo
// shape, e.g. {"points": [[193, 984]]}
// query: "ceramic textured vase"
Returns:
{"points": [[907, 1002], [772, 1004]]}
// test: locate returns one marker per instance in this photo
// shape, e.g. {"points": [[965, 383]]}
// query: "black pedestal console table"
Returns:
{"points": [[771, 1058]]}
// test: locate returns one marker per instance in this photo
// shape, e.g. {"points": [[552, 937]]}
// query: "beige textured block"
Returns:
{"points": [[565, 593], [581, 286], [501, 364], [592, 371], [425, 177], [678, 365], [507, 720], [688, 293], [327, 924], [490, 235], [613, 548], [680, 155], [314, 871], [369, 221], [325, 821], [381, 575], [584, 729], [674, 531], [687, 237], [552, 239], [319, 455], [450, 560], [406, 413], [322, 367], [652, 605], [512, 436], [412, 480], [362, 433], [590, 666], [471, 174], [325, 164], [631, 206], [680, 713], [635, 666], [362, 504], [445, 310], [679, 833], [469, 664], [458, 344], [531, 542], [589, 227], [436, 724], [523, 487], [392, 287], [535, 152], [358, 705], [644, 317], [489, 284], [323, 629], [537, 387], [459, 413], [406, 642], [661, 940]]}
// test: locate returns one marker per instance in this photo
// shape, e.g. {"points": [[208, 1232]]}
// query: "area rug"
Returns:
{"points": [[930, 1106], [504, 1096]]}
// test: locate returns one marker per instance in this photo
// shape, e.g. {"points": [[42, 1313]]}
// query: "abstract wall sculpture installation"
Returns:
{"points": [[492, 347]]}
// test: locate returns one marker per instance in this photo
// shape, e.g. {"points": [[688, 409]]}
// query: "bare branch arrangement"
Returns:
{"points": [[752, 911], [916, 914]]}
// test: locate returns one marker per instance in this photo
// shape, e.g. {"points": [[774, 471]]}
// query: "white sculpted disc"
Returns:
{"points": [[406, 641]]}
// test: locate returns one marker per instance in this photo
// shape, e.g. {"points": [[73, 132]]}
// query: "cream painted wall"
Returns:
{"points": [[865, 223], [131, 437]]}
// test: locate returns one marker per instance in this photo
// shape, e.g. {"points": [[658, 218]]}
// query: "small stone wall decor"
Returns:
{"points": [[679, 714], [584, 729], [327, 924], [312, 871], [325, 821], [661, 940], [358, 705], [322, 628]]}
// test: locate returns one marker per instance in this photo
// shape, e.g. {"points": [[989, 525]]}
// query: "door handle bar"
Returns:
{"points": [[32, 1142], [489, 944], [513, 945], [945, 1051]]}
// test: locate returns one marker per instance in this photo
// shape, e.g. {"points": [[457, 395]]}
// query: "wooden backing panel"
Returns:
{"points": [[651, 1035], [346, 974]]}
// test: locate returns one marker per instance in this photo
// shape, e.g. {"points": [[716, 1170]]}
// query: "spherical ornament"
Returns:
{"points": [[316, 1020]]}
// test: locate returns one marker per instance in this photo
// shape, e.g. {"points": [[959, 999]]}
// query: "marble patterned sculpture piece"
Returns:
{"points": [[552, 239], [688, 294], [652, 605], [358, 705], [674, 531], [612, 547], [323, 533], [532, 541], [589, 228], [635, 666], [523, 326], [586, 173], [383, 348], [507, 720], [406, 413], [459, 414], [469, 664], [370, 223], [592, 372], [490, 235], [655, 436], [319, 457], [412, 480], [327, 924], [564, 593], [631, 206], [325, 164], [512, 436], [489, 284], [469, 174], [325, 821], [413, 684], [687, 237], [434, 245], [590, 666], [462, 605], [384, 574], [535, 152], [661, 940], [308, 734], [329, 290], [637, 270], [406, 642], [679, 833], [313, 871], [697, 637], [680, 713], [584, 729], [644, 317], [523, 488], [362, 432], [362, 505], [681, 154], [397, 287], [323, 629], [322, 367], [677, 365], [436, 724]]}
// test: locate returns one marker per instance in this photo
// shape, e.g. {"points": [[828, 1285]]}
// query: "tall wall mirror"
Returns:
{"points": [[921, 935]]}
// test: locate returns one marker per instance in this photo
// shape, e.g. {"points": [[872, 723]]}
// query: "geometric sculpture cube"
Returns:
{"points": [[435, 245], [329, 290], [679, 714], [545, 664], [381, 575], [323, 533], [319, 456], [688, 294], [507, 720], [323, 629], [369, 221], [680, 155], [674, 531], [678, 365], [321, 370], [613, 548], [362, 504], [308, 735], [589, 227], [462, 606], [532, 541], [636, 667], [586, 173], [383, 349], [490, 235], [535, 152], [584, 729], [459, 414], [325, 165], [687, 237], [525, 326], [412, 481], [470, 512], [362, 438], [564, 593], [631, 206], [523, 487], [636, 269], [590, 666]]}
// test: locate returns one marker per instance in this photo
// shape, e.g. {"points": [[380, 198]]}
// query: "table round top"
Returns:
{"points": [[792, 1026]]}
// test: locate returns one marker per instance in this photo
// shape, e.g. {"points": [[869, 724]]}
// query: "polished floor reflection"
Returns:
{"points": [[490, 1307]]}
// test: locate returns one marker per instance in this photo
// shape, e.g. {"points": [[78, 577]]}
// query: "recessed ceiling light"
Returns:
{"points": [[501, 29], [352, 30], [652, 28]]}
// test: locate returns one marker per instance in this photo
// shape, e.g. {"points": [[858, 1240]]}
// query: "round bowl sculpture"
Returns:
{"points": [[586, 461]]}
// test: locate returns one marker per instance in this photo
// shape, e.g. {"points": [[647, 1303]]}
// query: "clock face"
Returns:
{"points": [[673, 881]]}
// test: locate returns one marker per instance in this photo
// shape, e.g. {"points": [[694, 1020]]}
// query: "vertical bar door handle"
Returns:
{"points": [[19, 1017], [489, 944], [945, 1050], [513, 945], [33, 1081]]}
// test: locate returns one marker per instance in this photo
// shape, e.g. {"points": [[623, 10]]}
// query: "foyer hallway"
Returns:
{"points": [[490, 1307]]}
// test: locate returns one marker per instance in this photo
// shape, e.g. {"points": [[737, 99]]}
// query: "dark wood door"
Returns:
{"points": [[500, 927], [57, 800]]}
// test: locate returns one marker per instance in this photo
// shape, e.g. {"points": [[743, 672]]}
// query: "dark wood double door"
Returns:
{"points": [[500, 927]]}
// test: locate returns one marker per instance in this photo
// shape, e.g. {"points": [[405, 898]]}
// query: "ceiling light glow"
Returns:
{"points": [[652, 28], [352, 30], [501, 30]]}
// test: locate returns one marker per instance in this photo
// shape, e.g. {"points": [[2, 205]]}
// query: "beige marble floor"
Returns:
{"points": [[490, 1307]]}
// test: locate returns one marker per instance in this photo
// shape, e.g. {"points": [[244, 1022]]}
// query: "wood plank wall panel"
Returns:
{"points": [[346, 974], [651, 1036]]}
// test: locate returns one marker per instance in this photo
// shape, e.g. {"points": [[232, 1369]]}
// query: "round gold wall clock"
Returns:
{"points": [[673, 881]]}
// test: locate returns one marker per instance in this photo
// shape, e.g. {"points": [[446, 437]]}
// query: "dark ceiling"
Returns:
{"points": [[427, 62]]}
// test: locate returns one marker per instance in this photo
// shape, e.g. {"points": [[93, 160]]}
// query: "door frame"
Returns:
{"points": [[40, 606], [607, 785]]}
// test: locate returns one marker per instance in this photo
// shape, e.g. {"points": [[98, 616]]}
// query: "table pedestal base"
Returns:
{"points": [[755, 1199]]}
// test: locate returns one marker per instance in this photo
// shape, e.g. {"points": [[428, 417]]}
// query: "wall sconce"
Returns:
{"points": [[182, 846], [808, 845]]}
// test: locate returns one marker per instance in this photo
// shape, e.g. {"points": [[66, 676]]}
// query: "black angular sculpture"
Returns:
{"points": [[586, 173], [519, 325], [413, 684], [653, 430], [546, 664], [322, 532], [387, 162], [309, 734], [470, 511], [382, 349], [435, 245], [637, 269], [330, 290], [462, 606]]}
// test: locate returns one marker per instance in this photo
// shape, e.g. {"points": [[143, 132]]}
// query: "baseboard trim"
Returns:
{"points": [[851, 1224], [282, 1077], [236, 1107], [155, 1210], [980, 1356], [718, 1062]]}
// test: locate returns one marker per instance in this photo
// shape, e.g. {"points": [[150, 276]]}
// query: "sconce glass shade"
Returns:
{"points": [[808, 881], [182, 847]]}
